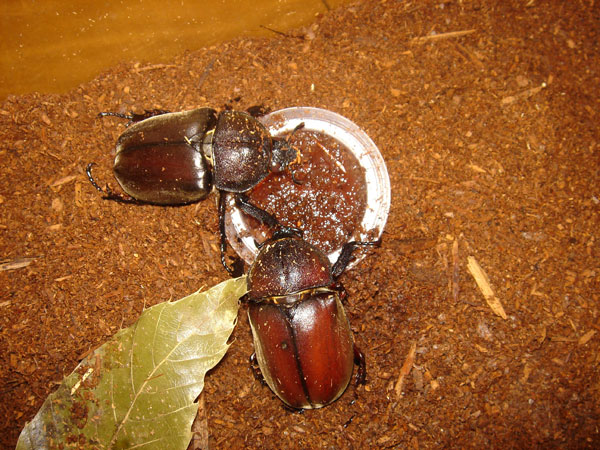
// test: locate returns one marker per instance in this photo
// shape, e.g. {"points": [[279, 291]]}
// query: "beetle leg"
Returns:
{"points": [[108, 194], [132, 117], [341, 290], [243, 202], [359, 360], [237, 268], [346, 256], [256, 369], [298, 159], [257, 111]]}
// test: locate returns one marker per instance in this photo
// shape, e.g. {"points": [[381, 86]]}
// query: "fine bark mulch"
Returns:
{"points": [[486, 113]]}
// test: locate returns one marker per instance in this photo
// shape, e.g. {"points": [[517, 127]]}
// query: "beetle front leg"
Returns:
{"points": [[243, 202], [256, 369], [237, 268]]}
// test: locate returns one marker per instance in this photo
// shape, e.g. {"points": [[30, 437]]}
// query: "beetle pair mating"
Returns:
{"points": [[302, 338]]}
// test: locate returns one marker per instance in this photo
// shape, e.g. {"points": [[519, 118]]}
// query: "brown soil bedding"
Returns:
{"points": [[491, 141]]}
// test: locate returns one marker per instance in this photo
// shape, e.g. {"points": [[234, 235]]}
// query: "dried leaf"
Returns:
{"points": [[200, 427], [139, 388], [484, 286]]}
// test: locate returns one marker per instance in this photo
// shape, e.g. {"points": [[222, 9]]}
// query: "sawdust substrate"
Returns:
{"points": [[486, 113]]}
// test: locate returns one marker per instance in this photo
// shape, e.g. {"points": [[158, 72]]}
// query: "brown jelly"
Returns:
{"points": [[330, 202]]}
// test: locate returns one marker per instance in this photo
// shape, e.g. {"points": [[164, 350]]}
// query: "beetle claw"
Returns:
{"points": [[236, 269], [256, 369], [360, 361], [293, 410], [346, 255]]}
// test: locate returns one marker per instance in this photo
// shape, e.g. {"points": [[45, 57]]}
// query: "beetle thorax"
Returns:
{"points": [[287, 267]]}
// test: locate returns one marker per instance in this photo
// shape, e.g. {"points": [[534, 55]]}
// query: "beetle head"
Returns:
{"points": [[285, 154]]}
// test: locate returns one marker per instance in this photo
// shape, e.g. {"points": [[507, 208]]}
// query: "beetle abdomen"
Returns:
{"points": [[159, 159], [305, 352], [163, 174]]}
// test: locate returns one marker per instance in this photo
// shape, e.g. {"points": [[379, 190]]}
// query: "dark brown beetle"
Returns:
{"points": [[302, 339], [177, 158]]}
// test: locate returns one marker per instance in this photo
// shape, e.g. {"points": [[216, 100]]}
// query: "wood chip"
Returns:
{"points": [[476, 168], [483, 283], [15, 263], [45, 119], [524, 94], [526, 372], [440, 36], [414, 244], [455, 271], [63, 180], [405, 370], [586, 337]]}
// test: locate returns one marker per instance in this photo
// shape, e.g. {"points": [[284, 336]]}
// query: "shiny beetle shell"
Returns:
{"points": [[242, 149], [305, 351], [177, 158], [159, 160], [287, 266], [302, 338]]}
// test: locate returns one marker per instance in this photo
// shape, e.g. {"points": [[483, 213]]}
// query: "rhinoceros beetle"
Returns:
{"points": [[302, 339], [167, 158]]}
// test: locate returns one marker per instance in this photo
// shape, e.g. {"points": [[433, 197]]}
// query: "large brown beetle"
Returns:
{"points": [[177, 158], [302, 339]]}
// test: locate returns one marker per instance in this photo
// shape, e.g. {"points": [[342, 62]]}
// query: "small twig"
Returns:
{"points": [[405, 370], [83, 378], [426, 180], [64, 180], [437, 37], [470, 54], [455, 270], [523, 94], [154, 67], [414, 244], [281, 32]]}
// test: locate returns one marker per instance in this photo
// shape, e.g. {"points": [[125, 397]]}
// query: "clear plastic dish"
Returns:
{"points": [[347, 133]]}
